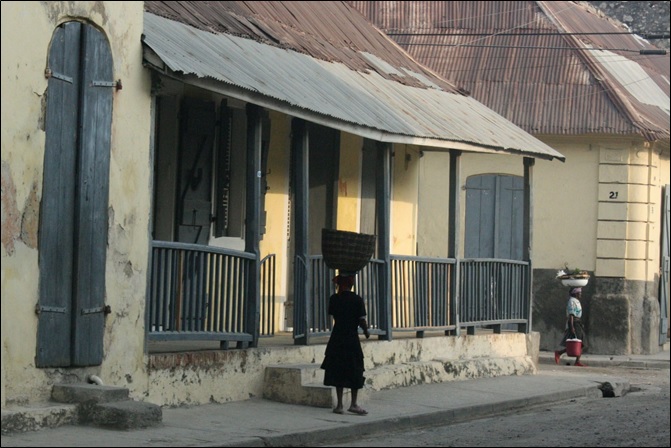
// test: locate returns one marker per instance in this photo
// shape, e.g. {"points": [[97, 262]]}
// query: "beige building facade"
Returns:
{"points": [[139, 180], [24, 99], [600, 211], [599, 94]]}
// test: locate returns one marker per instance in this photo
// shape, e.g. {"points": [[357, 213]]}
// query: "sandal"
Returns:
{"points": [[557, 355], [358, 410], [338, 411], [579, 364]]}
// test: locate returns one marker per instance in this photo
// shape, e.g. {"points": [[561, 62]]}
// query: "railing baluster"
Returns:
{"points": [[196, 292]]}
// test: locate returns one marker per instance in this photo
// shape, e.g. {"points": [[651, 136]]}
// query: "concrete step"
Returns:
{"points": [[126, 414], [107, 406], [38, 416], [83, 403], [298, 384], [83, 392], [303, 383]]}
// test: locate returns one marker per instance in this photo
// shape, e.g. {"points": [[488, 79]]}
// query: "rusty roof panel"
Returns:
{"points": [[517, 58], [378, 92]]}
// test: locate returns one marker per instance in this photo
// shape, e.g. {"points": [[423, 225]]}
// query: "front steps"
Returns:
{"points": [[107, 406], [82, 403], [303, 383]]}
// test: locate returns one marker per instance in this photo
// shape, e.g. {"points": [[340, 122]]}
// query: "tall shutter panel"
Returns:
{"points": [[223, 177], [93, 191], [510, 216], [56, 231], [480, 225], [73, 211], [494, 216], [195, 171]]}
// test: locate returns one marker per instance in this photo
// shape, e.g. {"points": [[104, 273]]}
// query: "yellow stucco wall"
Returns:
{"points": [[599, 211], [404, 197], [27, 29], [565, 207], [349, 182], [432, 219], [277, 206], [564, 197]]}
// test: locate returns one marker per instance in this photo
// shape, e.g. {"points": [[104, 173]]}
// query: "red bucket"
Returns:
{"points": [[573, 347]]}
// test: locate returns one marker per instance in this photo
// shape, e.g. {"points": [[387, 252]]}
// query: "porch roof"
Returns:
{"points": [[382, 95]]}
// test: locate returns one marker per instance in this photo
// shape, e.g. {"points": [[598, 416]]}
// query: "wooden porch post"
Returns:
{"points": [[383, 214], [253, 220], [300, 147], [527, 237], [453, 235]]}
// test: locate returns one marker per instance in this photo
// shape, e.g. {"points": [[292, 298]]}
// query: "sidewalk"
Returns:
{"points": [[258, 422]]}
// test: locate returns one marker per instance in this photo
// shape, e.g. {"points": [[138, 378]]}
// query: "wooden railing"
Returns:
{"points": [[422, 294], [200, 293], [494, 292], [268, 303]]}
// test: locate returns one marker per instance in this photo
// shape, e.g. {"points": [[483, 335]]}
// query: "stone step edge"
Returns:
{"points": [[122, 414], [38, 416], [442, 369]]}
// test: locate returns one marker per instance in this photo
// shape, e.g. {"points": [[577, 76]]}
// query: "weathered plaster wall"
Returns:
{"points": [[197, 378], [27, 28]]}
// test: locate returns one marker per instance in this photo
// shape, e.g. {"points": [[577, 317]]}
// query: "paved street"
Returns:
{"points": [[639, 418], [558, 406]]}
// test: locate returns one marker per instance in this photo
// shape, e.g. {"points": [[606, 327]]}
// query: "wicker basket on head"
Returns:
{"points": [[347, 251]]}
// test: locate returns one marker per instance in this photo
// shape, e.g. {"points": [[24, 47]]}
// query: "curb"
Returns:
{"points": [[549, 359], [441, 417]]}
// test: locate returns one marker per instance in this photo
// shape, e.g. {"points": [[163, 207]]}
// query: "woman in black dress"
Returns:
{"points": [[343, 363]]}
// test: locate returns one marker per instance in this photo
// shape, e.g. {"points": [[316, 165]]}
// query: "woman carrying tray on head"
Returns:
{"points": [[343, 363], [574, 328]]}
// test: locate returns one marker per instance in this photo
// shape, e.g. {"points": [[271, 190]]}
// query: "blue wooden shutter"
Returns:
{"points": [[197, 131], [97, 87], [57, 210], [73, 214], [494, 216], [223, 177]]}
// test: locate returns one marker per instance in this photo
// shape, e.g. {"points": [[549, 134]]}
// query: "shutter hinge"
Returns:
{"points": [[116, 84], [49, 309], [51, 74], [100, 309]]}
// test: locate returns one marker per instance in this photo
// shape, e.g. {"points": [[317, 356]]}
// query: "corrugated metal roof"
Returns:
{"points": [[324, 62], [512, 56]]}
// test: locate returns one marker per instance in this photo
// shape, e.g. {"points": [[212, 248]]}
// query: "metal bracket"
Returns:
{"points": [[51, 74], [100, 309], [49, 309], [116, 84]]}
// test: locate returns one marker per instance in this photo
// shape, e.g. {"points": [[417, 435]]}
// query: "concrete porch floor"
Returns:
{"points": [[279, 339]]}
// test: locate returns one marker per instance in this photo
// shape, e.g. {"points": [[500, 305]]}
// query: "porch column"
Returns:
{"points": [[453, 234], [300, 147], [527, 237], [382, 210], [253, 219]]}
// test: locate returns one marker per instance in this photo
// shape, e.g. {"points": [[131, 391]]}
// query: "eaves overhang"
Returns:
{"points": [[329, 93]]}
